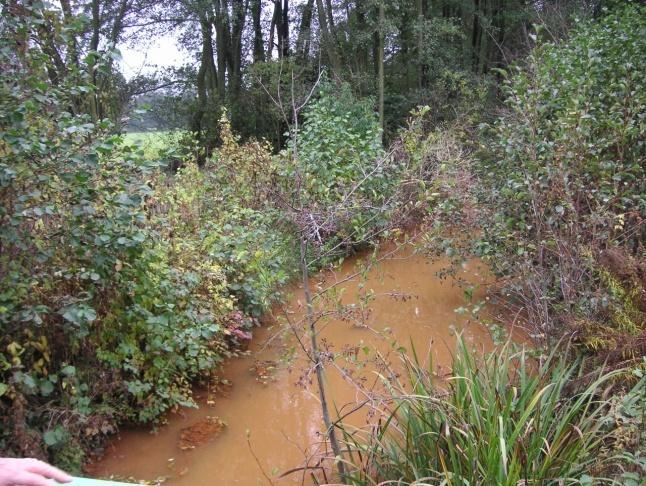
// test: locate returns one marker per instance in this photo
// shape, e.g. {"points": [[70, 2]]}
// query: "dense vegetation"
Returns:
{"points": [[129, 271], [557, 181], [117, 293], [566, 169]]}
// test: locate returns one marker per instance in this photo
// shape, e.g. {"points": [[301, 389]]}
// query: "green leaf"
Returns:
{"points": [[68, 370], [46, 388], [56, 436]]}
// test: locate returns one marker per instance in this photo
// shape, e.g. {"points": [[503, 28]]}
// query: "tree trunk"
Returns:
{"points": [[279, 27], [285, 29], [328, 41], [206, 83], [499, 24], [330, 16], [240, 8], [258, 44], [117, 26], [483, 55], [305, 32], [57, 69], [476, 35], [96, 25], [363, 49], [422, 7], [275, 19], [94, 47], [73, 57], [221, 45], [72, 45]]}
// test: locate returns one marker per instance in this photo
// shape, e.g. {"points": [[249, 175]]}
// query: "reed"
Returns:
{"points": [[501, 419]]}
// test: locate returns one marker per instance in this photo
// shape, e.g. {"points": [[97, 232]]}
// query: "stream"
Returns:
{"points": [[271, 409]]}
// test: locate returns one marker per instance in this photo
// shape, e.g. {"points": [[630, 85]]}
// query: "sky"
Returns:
{"points": [[160, 51]]}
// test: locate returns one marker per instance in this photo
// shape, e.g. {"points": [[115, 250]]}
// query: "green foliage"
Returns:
{"points": [[504, 420], [575, 125], [340, 139], [564, 171], [239, 226], [245, 172], [70, 205], [114, 272], [152, 143], [625, 313], [222, 214], [124, 279], [559, 216], [337, 168], [258, 259]]}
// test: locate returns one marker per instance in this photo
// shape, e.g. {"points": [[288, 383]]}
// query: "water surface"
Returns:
{"points": [[271, 410]]}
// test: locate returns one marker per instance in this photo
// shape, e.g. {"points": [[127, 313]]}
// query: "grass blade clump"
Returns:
{"points": [[503, 419]]}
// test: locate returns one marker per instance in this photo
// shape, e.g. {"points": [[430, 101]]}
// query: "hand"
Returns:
{"points": [[29, 472]]}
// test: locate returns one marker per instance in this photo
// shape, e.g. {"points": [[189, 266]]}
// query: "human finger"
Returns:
{"points": [[44, 469], [26, 478]]}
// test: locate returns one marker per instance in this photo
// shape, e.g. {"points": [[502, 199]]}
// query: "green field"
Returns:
{"points": [[151, 142]]}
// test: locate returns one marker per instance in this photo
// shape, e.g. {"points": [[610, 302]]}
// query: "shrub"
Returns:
{"points": [[225, 213], [339, 140], [257, 254], [336, 168], [119, 285], [564, 177], [71, 235]]}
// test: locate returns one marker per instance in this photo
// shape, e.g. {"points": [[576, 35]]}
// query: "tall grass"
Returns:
{"points": [[502, 419]]}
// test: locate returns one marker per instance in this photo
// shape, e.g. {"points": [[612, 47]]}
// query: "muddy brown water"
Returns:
{"points": [[271, 411]]}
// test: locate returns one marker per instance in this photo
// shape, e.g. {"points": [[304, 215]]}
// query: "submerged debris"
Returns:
{"points": [[264, 371], [200, 432]]}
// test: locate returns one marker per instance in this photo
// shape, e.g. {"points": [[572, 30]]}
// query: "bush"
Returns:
{"points": [[121, 283], [71, 241], [336, 168], [339, 140], [228, 210], [563, 178]]}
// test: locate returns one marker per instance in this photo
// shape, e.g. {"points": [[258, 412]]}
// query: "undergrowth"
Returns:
{"points": [[551, 190]]}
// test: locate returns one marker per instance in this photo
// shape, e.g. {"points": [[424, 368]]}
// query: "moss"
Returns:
{"points": [[70, 456], [626, 317]]}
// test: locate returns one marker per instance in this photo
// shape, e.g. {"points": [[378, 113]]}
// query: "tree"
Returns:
{"points": [[258, 44], [327, 38], [305, 32]]}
